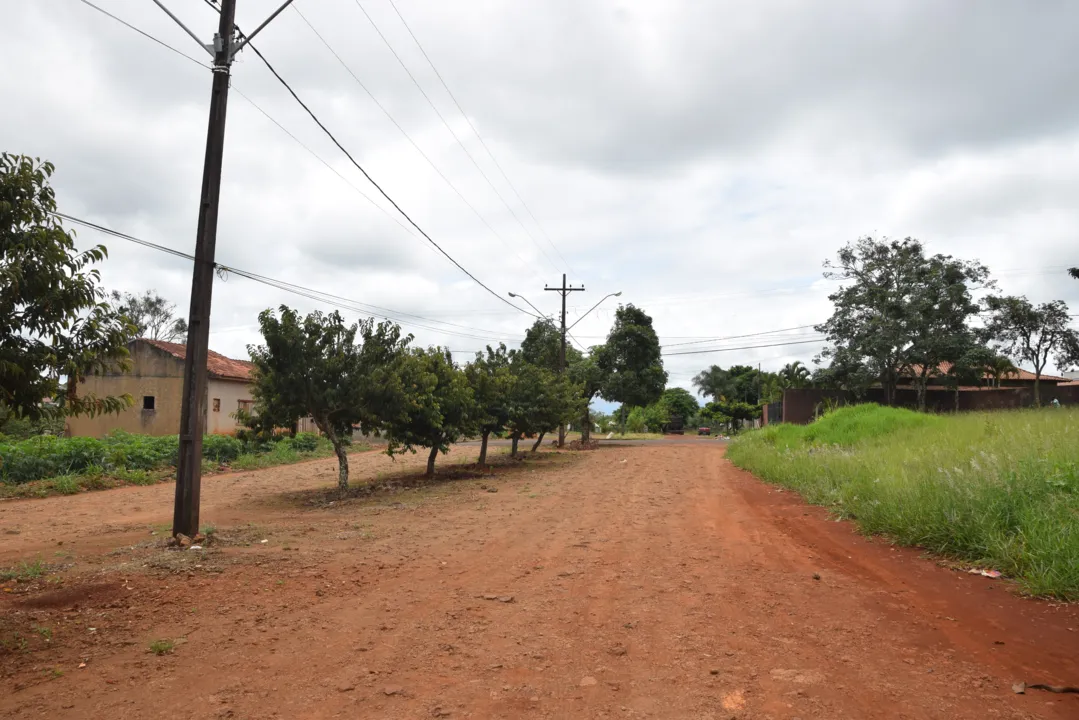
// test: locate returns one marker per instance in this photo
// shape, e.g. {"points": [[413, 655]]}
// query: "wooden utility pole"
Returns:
{"points": [[185, 515], [563, 291]]}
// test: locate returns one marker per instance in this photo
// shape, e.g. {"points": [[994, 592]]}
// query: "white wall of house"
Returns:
{"points": [[223, 398]]}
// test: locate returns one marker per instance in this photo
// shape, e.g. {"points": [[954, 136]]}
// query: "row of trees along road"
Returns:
{"points": [[368, 376]]}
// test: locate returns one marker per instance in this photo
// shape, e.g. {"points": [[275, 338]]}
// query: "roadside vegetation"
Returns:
{"points": [[999, 490], [48, 465]]}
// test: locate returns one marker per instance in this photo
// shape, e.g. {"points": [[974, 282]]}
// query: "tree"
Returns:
{"points": [[439, 408], [542, 347], [54, 321], [1074, 272], [795, 375], [680, 402], [631, 361], [491, 382], [315, 367], [539, 400], [737, 383], [589, 376], [901, 312], [999, 367], [152, 315], [969, 369], [772, 386], [1032, 334]]}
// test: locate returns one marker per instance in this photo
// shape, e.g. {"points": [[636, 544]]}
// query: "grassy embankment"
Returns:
{"points": [[993, 489]]}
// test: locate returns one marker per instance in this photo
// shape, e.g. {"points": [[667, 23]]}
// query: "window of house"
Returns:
{"points": [[217, 404], [148, 402], [245, 405]]}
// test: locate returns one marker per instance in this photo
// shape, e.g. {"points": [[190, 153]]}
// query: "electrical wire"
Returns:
{"points": [[735, 337], [145, 34], [454, 134], [744, 347], [321, 296], [408, 137], [478, 136]]}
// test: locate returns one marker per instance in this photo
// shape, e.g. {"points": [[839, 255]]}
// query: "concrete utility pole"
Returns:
{"points": [[185, 517], [563, 291]]}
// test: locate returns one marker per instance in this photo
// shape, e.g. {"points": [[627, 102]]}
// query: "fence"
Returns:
{"points": [[800, 406]]}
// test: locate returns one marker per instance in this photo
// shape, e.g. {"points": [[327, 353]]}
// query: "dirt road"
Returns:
{"points": [[629, 582]]}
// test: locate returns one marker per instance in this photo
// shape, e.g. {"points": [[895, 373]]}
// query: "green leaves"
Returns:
{"points": [[54, 322], [630, 360]]}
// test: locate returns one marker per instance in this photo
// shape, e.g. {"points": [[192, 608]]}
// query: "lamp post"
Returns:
{"points": [[522, 297], [614, 294]]}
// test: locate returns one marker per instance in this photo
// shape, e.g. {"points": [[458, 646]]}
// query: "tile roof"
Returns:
{"points": [[1020, 374], [217, 364]]}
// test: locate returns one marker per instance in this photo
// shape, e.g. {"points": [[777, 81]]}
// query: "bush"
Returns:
{"points": [[305, 442], [221, 448]]}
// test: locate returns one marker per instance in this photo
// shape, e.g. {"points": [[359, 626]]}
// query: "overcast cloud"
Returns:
{"points": [[702, 157]]}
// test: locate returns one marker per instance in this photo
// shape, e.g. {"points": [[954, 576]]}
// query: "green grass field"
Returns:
{"points": [[997, 490]]}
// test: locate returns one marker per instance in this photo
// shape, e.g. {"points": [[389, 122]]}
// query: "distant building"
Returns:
{"points": [[156, 382], [1017, 378]]}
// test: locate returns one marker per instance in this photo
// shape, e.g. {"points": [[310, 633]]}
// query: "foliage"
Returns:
{"points": [[631, 360], [543, 343], [539, 400], [681, 402], [730, 412], [1032, 334], [737, 383], [996, 489], [901, 312], [587, 374], [315, 367], [54, 321], [1074, 272], [795, 375], [13, 427], [491, 380], [439, 405], [150, 315], [636, 421]]}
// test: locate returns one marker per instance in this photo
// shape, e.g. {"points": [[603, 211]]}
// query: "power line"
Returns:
{"points": [[409, 137], [744, 347], [311, 293], [454, 134], [370, 179], [145, 34], [478, 136], [735, 337]]}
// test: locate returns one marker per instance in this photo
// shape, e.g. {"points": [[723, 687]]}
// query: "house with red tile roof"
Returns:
{"points": [[155, 382], [1018, 378]]}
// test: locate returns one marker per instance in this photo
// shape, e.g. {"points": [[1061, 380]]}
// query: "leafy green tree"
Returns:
{"points": [[739, 382], [587, 374], [732, 412], [152, 316], [491, 381], [631, 361], [999, 367], [899, 311], [440, 407], [539, 400], [542, 347], [314, 366], [795, 375], [636, 420], [1029, 333], [680, 402], [970, 368], [1074, 272], [771, 387], [54, 321]]}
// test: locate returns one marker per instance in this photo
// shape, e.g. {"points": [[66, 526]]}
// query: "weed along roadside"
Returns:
{"points": [[47, 465], [998, 490]]}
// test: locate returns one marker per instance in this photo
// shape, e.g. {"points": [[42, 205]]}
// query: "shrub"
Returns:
{"points": [[305, 442], [221, 448]]}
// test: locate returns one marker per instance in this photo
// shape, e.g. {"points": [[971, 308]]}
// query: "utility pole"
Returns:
{"points": [[185, 516], [563, 291]]}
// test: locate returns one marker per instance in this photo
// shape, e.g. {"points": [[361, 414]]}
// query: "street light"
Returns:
{"points": [[522, 297], [617, 294]]}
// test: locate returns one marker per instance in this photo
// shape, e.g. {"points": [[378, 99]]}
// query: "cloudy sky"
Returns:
{"points": [[701, 157]]}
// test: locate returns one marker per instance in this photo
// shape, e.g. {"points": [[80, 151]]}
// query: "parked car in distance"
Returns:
{"points": [[704, 431]]}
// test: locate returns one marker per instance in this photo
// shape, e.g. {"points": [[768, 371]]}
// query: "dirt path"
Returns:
{"points": [[632, 582]]}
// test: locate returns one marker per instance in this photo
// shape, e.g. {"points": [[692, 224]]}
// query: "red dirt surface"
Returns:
{"points": [[632, 582]]}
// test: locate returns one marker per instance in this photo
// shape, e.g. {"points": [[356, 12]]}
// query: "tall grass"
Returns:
{"points": [[996, 489]]}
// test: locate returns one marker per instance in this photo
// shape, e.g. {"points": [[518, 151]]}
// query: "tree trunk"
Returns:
{"points": [[920, 391], [483, 448], [957, 398], [539, 440], [293, 429], [342, 457], [586, 426], [513, 448], [431, 461], [1037, 390]]}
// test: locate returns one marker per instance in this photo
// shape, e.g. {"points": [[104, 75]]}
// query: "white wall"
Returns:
{"points": [[229, 393]]}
